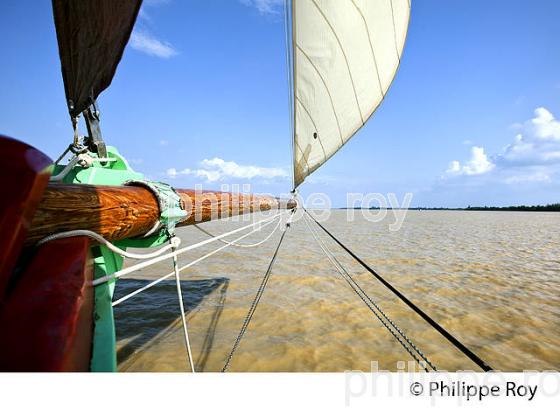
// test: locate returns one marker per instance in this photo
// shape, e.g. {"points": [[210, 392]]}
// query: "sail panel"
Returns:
{"points": [[346, 54], [92, 35]]}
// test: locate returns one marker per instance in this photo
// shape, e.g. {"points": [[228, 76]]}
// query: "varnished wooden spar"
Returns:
{"points": [[119, 212]]}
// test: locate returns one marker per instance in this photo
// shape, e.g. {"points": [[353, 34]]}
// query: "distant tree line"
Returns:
{"points": [[524, 208], [531, 208]]}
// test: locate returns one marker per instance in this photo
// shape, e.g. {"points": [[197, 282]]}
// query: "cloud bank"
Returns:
{"points": [[478, 164], [532, 157], [217, 169]]}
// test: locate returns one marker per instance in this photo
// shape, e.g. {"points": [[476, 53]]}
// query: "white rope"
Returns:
{"points": [[188, 265], [176, 272], [243, 245], [182, 307], [65, 170], [83, 159], [175, 242], [145, 264]]}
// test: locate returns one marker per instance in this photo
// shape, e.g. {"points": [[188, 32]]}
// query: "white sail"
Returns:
{"points": [[346, 53]]}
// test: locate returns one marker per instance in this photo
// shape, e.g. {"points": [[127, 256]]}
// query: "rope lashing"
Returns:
{"points": [[257, 298], [405, 341], [171, 207], [464, 349]]}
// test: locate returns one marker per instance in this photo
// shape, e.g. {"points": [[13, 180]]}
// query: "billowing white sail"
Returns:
{"points": [[346, 53]]}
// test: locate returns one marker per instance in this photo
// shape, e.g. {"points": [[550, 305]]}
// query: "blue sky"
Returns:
{"points": [[200, 97]]}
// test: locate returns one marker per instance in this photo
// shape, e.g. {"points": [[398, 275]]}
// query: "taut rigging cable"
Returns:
{"points": [[255, 303], [403, 339], [464, 349]]}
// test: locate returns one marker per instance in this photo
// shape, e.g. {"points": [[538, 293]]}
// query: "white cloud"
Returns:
{"points": [[532, 157], [148, 44], [478, 164], [538, 142], [544, 126], [265, 6], [217, 169], [163, 143]]}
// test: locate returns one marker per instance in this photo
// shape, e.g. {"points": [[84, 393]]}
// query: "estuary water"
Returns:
{"points": [[492, 279]]}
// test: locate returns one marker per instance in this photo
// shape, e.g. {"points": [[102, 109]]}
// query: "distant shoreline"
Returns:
{"points": [[523, 208]]}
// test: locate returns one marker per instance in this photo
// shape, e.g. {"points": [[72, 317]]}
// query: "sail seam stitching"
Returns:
{"points": [[395, 31], [371, 48], [326, 88], [303, 156], [314, 125], [345, 59]]}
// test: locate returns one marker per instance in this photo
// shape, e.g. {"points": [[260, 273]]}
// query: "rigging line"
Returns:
{"points": [[255, 302], [294, 87], [361, 294], [464, 349], [65, 170], [243, 245], [93, 235], [289, 78], [188, 265], [344, 55], [182, 308], [150, 262], [410, 342]]}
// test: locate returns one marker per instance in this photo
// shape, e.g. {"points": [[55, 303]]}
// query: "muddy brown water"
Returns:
{"points": [[490, 278]]}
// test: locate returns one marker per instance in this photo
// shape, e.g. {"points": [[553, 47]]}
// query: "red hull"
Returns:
{"points": [[46, 296]]}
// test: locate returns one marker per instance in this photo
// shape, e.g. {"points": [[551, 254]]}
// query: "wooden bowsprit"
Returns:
{"points": [[69, 324]]}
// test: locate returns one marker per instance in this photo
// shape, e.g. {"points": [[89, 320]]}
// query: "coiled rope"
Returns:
{"points": [[464, 349], [405, 341]]}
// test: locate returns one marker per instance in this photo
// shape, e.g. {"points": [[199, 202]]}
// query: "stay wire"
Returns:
{"points": [[255, 302], [371, 305], [464, 349]]}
